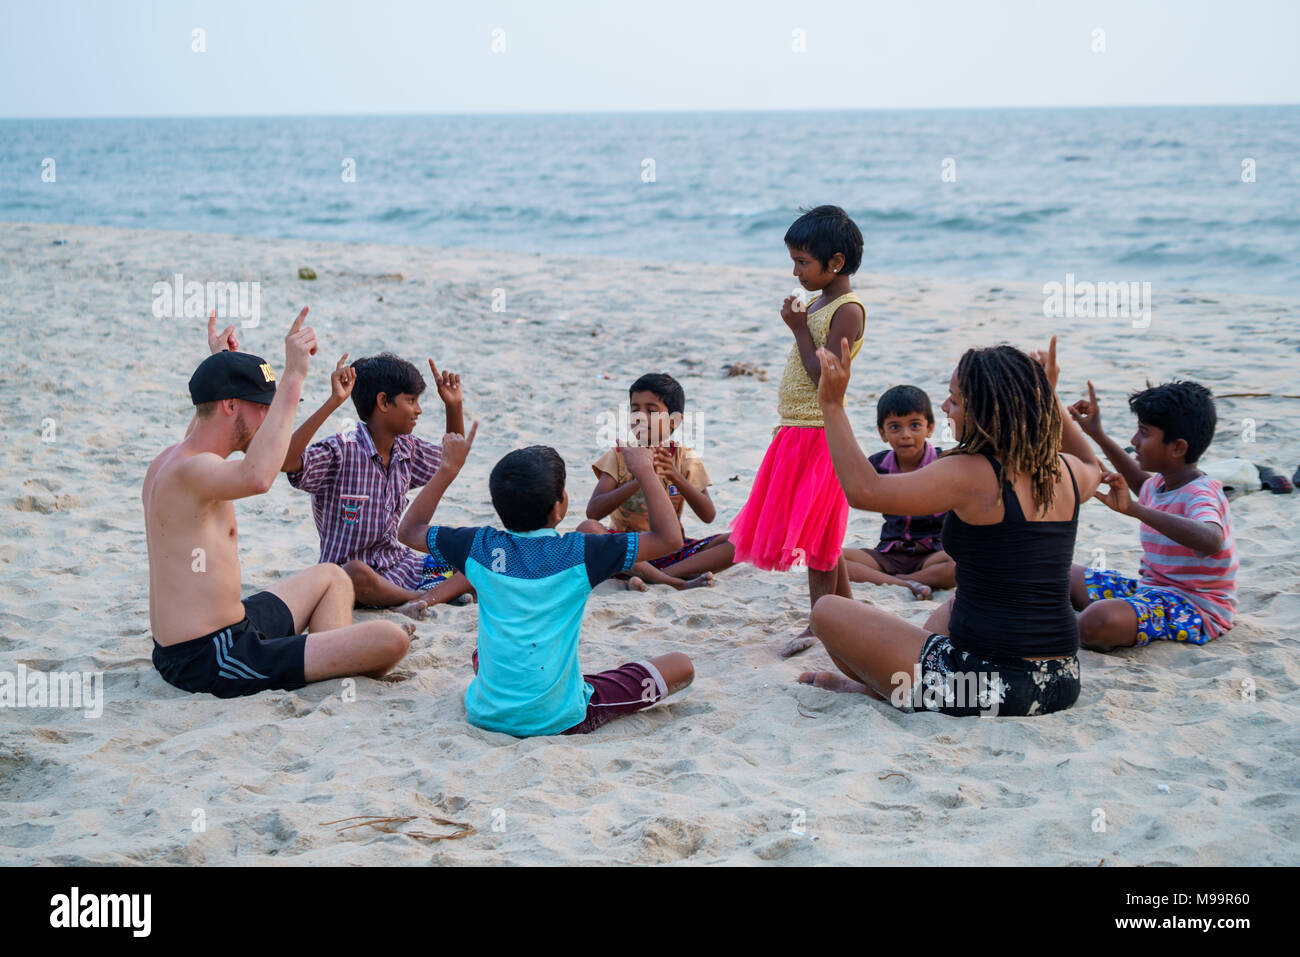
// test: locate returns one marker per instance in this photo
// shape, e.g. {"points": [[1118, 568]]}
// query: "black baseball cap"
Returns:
{"points": [[233, 375]]}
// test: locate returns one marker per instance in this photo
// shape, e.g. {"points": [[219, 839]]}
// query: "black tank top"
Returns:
{"points": [[1013, 581]]}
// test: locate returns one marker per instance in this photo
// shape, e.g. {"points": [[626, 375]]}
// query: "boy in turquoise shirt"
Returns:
{"points": [[532, 585]]}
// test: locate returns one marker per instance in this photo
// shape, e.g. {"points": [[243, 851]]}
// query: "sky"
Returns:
{"points": [[80, 58]]}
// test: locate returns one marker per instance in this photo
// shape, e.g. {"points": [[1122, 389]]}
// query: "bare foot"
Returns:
{"points": [[699, 581], [919, 592], [636, 584], [831, 681], [409, 629], [800, 642], [417, 608]]}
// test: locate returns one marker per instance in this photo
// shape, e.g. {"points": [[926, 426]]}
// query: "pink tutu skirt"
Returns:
{"points": [[796, 513]]}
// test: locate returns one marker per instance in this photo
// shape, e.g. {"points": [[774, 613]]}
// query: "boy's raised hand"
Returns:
{"points": [[663, 458], [342, 379], [1116, 497], [834, 381], [638, 458], [299, 345], [223, 341], [1087, 413], [455, 448], [448, 384]]}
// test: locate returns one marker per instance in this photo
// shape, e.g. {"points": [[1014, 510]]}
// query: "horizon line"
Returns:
{"points": [[649, 111]]}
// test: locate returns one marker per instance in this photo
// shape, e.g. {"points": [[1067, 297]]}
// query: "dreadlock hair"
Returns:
{"points": [[1011, 412]]}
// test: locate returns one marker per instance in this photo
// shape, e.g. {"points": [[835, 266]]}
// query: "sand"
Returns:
{"points": [[1173, 754]]}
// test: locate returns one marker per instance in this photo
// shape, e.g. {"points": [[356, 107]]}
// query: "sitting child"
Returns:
{"points": [[1186, 587], [909, 553], [358, 481], [533, 584], [657, 405]]}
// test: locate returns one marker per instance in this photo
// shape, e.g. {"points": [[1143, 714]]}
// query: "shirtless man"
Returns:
{"points": [[205, 638]]}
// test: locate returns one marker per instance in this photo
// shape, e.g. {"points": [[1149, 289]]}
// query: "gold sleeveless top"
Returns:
{"points": [[798, 393]]}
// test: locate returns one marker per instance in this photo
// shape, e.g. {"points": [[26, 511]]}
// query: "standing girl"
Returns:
{"points": [[797, 513]]}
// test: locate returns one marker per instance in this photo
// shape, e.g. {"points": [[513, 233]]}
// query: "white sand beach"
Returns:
{"points": [[1173, 754]]}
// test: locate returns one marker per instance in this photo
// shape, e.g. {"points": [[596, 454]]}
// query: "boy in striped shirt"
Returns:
{"points": [[1187, 581]]}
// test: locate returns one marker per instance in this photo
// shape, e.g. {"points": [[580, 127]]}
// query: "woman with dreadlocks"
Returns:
{"points": [[1007, 642]]}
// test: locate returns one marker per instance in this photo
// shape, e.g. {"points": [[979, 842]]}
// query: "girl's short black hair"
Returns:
{"points": [[1181, 410], [668, 389], [525, 486], [384, 373], [825, 231], [900, 400]]}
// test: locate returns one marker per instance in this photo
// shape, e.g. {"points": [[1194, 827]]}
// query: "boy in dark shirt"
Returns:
{"points": [[910, 553]]}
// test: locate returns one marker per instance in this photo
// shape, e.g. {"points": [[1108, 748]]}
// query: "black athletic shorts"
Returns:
{"points": [[259, 653]]}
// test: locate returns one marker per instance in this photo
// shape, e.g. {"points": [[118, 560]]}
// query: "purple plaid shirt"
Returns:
{"points": [[356, 502]]}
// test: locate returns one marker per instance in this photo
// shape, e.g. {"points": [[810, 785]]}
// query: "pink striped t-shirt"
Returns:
{"points": [[1208, 581]]}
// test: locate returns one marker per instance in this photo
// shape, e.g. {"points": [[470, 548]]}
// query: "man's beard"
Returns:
{"points": [[243, 434]]}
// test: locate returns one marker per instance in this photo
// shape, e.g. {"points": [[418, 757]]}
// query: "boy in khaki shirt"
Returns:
{"points": [[657, 405]]}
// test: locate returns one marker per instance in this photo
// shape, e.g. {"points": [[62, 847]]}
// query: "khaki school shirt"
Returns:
{"points": [[632, 515]]}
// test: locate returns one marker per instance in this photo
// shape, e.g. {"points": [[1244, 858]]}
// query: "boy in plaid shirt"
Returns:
{"points": [[358, 481]]}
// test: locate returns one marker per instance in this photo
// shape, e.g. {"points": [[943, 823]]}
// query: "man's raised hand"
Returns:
{"points": [[223, 341], [299, 346]]}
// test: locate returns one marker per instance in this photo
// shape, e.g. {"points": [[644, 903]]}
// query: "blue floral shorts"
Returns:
{"points": [[433, 573], [1161, 613]]}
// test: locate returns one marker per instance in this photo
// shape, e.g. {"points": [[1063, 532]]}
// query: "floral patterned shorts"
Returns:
{"points": [[965, 685], [1161, 613]]}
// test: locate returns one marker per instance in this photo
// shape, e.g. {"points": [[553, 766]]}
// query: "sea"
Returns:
{"points": [[1195, 198]]}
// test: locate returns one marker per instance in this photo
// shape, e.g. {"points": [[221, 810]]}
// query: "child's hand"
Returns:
{"points": [[342, 379], [1047, 359], [221, 341], [1088, 414], [834, 381], [448, 384], [663, 458], [638, 458], [455, 448], [794, 312], [1117, 497]]}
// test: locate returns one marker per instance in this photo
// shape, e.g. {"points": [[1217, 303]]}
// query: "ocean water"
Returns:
{"points": [[1113, 195]]}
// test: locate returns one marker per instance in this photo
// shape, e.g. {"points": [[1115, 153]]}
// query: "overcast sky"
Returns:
{"points": [[133, 58]]}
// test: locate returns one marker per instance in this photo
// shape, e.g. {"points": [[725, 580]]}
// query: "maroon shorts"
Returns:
{"points": [[897, 562], [634, 686]]}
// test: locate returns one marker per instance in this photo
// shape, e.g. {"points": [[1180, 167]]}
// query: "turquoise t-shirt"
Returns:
{"points": [[532, 591]]}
